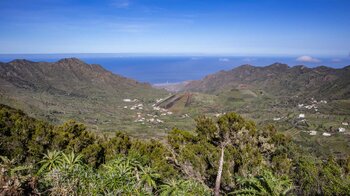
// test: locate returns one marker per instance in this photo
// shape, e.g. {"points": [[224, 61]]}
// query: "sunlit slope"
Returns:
{"points": [[72, 89]]}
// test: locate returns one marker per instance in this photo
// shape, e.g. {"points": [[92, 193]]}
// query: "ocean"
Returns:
{"points": [[173, 68]]}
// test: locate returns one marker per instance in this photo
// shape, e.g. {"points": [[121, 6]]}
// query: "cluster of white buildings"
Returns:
{"points": [[313, 100], [313, 104], [313, 132], [326, 134], [149, 118], [163, 111], [309, 107], [135, 107]]}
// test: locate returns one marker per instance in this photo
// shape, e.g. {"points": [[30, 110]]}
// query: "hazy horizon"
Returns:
{"points": [[159, 69]]}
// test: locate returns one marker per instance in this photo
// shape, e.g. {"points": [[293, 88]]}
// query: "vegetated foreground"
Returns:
{"points": [[228, 155]]}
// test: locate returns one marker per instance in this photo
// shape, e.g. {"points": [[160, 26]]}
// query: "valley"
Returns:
{"points": [[311, 109], [174, 98]]}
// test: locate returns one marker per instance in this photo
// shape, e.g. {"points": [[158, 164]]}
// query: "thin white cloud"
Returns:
{"points": [[308, 59], [121, 3]]}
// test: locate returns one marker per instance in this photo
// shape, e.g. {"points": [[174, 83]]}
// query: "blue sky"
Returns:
{"points": [[234, 27]]}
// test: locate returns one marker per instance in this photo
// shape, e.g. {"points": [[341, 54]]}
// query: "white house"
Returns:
{"points": [[345, 123], [341, 129], [301, 116], [326, 134], [313, 132]]}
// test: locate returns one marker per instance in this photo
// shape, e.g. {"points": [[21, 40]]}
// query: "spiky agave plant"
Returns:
{"points": [[63, 172], [70, 160], [119, 176], [51, 160], [183, 187], [149, 177], [172, 187], [265, 184]]}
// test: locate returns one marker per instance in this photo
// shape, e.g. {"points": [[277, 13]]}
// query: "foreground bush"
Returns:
{"points": [[227, 155]]}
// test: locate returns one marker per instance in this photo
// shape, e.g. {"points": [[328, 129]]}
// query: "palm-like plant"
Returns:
{"points": [[118, 176], [51, 160], [173, 187], [266, 184], [71, 160], [183, 187], [149, 177], [128, 176], [66, 173]]}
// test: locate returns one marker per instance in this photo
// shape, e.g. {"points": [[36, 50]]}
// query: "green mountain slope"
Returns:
{"points": [[279, 80], [305, 103], [72, 89]]}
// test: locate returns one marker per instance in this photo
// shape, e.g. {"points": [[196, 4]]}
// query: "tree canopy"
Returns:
{"points": [[225, 155]]}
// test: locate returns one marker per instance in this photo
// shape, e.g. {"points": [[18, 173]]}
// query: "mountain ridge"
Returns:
{"points": [[278, 79], [39, 74], [71, 89]]}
